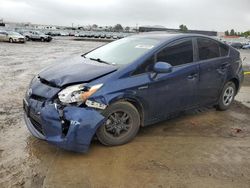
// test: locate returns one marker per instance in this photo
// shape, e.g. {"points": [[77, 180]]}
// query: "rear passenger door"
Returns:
{"points": [[214, 62]]}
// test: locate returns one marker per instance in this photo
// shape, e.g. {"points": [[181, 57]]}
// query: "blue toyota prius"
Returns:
{"points": [[115, 89]]}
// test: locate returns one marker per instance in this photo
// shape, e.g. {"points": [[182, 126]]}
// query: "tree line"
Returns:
{"points": [[232, 32], [116, 28]]}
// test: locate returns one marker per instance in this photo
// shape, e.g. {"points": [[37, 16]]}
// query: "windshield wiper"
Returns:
{"points": [[101, 61]]}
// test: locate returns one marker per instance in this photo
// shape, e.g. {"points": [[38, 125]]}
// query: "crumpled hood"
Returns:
{"points": [[75, 70]]}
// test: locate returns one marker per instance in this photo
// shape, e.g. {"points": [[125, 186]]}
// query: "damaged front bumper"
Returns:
{"points": [[72, 132]]}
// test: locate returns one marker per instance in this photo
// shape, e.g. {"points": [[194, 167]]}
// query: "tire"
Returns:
{"points": [[121, 126], [42, 39], [27, 38], [227, 96], [11, 40]]}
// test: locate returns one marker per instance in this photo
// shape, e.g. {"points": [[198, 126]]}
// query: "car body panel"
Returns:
{"points": [[246, 46], [213, 74], [155, 95], [37, 36], [5, 36], [75, 70], [83, 125]]}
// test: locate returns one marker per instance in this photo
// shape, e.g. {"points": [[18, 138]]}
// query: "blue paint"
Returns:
{"points": [[159, 93], [79, 135]]}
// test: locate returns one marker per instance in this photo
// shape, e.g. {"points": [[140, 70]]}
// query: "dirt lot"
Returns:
{"points": [[203, 148]]}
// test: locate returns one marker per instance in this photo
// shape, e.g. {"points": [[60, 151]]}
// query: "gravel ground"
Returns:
{"points": [[202, 148]]}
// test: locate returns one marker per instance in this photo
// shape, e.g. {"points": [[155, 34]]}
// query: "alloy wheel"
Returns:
{"points": [[228, 96], [118, 123]]}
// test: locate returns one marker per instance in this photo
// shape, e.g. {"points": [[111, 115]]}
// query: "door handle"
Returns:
{"points": [[224, 66], [192, 76]]}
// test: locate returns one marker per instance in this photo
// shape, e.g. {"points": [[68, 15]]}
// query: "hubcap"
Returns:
{"points": [[118, 123], [228, 96]]}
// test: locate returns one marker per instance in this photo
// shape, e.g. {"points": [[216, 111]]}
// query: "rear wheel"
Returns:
{"points": [[121, 126], [227, 96], [11, 40], [42, 39]]}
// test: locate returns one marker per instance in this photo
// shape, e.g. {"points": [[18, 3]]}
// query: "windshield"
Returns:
{"points": [[123, 51]]}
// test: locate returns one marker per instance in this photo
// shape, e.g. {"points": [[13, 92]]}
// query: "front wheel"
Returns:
{"points": [[121, 126], [42, 39], [11, 40], [227, 96]]}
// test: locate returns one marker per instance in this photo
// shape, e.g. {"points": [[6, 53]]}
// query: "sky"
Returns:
{"points": [[217, 15]]}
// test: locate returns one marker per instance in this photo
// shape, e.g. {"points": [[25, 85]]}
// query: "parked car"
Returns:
{"points": [[37, 36], [53, 33], [103, 35], [64, 33], [127, 84], [11, 36], [246, 46], [115, 37], [97, 35], [71, 33], [108, 36], [237, 45]]}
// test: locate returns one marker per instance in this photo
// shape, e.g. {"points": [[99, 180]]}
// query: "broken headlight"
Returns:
{"points": [[77, 93]]}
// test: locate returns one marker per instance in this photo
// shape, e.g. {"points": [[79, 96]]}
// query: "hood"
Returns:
{"points": [[75, 70]]}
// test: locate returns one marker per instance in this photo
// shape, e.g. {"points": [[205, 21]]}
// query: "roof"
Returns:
{"points": [[162, 36]]}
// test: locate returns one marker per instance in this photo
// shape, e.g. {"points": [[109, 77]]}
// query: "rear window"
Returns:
{"points": [[208, 49]]}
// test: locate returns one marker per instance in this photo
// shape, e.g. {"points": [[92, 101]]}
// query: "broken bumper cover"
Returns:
{"points": [[82, 125]]}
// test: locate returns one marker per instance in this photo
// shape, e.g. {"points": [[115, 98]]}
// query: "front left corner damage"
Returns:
{"points": [[82, 125]]}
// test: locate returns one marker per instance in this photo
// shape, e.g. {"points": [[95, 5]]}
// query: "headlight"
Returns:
{"points": [[77, 93]]}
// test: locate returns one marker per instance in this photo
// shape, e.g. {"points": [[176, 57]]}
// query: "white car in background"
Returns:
{"points": [[11, 36]]}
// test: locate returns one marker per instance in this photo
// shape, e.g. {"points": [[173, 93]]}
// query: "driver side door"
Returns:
{"points": [[167, 93], [177, 91]]}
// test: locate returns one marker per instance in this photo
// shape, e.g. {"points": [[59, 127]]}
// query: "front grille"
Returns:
{"points": [[37, 125], [38, 98]]}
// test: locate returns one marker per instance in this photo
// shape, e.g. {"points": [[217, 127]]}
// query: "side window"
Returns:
{"points": [[208, 49], [224, 50], [178, 53], [147, 66]]}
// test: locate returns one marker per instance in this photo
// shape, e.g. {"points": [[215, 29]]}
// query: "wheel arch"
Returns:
{"points": [[236, 82], [136, 103]]}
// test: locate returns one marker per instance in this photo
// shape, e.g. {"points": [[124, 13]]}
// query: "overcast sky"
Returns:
{"points": [[218, 15]]}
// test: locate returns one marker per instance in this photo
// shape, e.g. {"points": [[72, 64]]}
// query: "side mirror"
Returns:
{"points": [[162, 67]]}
